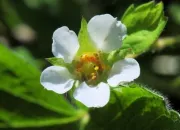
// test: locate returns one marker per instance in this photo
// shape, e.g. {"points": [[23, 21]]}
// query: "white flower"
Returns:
{"points": [[106, 33]]}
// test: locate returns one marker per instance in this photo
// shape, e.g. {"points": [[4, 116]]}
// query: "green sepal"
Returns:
{"points": [[60, 62], [86, 44], [56, 61]]}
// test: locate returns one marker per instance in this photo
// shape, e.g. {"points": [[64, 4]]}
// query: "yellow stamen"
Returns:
{"points": [[93, 77], [96, 68], [93, 74], [84, 57]]}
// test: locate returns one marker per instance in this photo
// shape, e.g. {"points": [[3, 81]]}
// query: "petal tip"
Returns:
{"points": [[124, 71], [65, 44], [93, 97], [57, 79]]}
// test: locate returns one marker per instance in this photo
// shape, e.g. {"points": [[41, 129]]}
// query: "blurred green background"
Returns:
{"points": [[26, 27]]}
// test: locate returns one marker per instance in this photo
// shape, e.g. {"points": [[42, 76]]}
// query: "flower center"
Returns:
{"points": [[90, 67]]}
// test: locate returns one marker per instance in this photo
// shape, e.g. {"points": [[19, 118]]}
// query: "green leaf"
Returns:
{"points": [[24, 102], [174, 11], [144, 25], [84, 41], [25, 54], [162, 123], [134, 107], [17, 113], [8, 10]]}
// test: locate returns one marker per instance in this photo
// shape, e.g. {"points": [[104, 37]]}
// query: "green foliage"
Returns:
{"points": [[24, 53], [51, 5], [174, 10], [144, 25], [134, 108], [9, 10], [24, 101]]}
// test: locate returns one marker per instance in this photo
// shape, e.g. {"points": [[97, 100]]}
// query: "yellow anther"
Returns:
{"points": [[93, 77], [84, 56], [96, 68], [93, 74]]}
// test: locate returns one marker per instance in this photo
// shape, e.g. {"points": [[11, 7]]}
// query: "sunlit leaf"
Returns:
{"points": [[144, 25], [39, 107], [134, 108]]}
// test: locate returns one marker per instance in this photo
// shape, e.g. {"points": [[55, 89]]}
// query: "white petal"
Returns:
{"points": [[106, 32], [93, 96], [65, 44], [123, 71], [57, 79]]}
